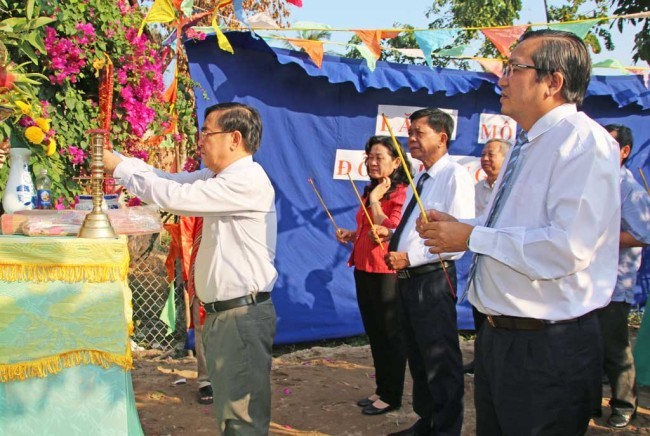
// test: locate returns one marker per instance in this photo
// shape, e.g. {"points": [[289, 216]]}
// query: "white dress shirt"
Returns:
{"points": [[450, 189], [237, 248], [482, 193], [553, 251]]}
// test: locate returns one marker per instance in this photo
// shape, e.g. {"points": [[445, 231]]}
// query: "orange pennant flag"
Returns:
{"points": [[494, 66], [371, 39], [313, 48], [504, 37], [389, 34]]}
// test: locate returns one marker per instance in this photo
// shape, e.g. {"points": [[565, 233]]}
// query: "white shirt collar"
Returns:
{"points": [[550, 119]]}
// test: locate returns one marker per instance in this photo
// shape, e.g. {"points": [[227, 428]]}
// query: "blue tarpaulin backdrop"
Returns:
{"points": [[309, 113]]}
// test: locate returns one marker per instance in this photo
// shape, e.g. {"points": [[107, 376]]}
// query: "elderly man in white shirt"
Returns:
{"points": [[234, 272], [546, 252], [492, 157], [427, 291]]}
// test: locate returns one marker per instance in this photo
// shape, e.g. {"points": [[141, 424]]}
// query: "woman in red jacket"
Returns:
{"points": [[375, 283]]}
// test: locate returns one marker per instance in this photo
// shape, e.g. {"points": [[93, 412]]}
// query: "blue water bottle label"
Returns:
{"points": [[44, 201]]}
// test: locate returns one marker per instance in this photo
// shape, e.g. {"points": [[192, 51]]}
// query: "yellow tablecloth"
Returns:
{"points": [[65, 322]]}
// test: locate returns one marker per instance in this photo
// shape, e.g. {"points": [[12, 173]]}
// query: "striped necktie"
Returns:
{"points": [[196, 241], [499, 199], [394, 240]]}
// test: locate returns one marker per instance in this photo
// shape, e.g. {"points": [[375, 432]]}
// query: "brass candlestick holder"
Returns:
{"points": [[97, 225]]}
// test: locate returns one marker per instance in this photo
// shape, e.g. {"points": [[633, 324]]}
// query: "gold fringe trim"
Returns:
{"points": [[55, 364], [66, 273]]}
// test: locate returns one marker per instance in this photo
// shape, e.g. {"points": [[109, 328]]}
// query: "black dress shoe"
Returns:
{"points": [[364, 402], [620, 419], [372, 410]]}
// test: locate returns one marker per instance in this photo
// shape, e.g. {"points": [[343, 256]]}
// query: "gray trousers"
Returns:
{"points": [[203, 378], [238, 355], [619, 362]]}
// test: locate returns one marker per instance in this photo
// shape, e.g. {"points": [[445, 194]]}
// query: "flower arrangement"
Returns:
{"points": [[27, 124]]}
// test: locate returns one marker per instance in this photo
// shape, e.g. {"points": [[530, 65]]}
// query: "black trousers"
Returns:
{"points": [[378, 304], [619, 361], [540, 382], [433, 352]]}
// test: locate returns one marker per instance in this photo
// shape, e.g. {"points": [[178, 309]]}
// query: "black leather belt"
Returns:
{"points": [[220, 306], [407, 273], [518, 323]]}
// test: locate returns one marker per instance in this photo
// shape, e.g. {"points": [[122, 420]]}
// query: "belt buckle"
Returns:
{"points": [[404, 274], [491, 321]]}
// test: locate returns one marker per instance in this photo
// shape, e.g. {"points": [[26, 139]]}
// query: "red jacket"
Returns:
{"points": [[367, 255]]}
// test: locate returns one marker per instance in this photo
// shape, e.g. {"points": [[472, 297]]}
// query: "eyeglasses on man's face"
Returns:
{"points": [[510, 67], [203, 134]]}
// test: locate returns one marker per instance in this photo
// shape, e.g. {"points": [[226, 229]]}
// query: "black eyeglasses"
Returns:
{"points": [[205, 133], [510, 67]]}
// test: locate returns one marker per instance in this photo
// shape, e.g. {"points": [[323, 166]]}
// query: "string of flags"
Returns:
{"points": [[431, 42]]}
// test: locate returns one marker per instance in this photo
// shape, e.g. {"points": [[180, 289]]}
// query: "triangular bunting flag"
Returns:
{"points": [[371, 39], [368, 55], [295, 2], [390, 34], [433, 40], [238, 6], [611, 63], [161, 11], [504, 37], [453, 52], [411, 52], [581, 29], [313, 48], [223, 42], [262, 20], [494, 66], [187, 6], [168, 314]]}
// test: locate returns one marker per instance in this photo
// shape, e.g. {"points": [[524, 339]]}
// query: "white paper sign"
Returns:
{"points": [[353, 162], [497, 126], [398, 117]]}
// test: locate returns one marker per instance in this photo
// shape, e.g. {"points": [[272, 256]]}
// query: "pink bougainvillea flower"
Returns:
{"points": [[286, 391]]}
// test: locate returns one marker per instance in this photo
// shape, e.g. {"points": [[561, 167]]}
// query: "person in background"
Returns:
{"points": [[545, 255], [426, 283], [635, 233], [197, 312], [494, 152], [375, 282], [234, 272]]}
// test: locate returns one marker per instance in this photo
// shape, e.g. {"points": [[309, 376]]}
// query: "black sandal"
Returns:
{"points": [[205, 395]]}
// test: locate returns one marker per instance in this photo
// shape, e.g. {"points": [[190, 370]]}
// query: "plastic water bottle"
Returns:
{"points": [[43, 187]]}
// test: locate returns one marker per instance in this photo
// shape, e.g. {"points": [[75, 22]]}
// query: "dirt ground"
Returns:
{"points": [[314, 393]]}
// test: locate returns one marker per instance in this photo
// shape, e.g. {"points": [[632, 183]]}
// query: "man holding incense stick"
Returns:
{"points": [[234, 272], [545, 253], [426, 282]]}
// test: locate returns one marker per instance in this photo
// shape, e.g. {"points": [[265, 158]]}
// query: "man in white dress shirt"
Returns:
{"points": [[234, 271], [546, 252], [428, 300]]}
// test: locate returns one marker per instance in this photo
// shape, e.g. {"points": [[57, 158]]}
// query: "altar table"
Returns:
{"points": [[65, 321]]}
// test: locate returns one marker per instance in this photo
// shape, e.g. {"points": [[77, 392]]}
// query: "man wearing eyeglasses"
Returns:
{"points": [[234, 271], [545, 252]]}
